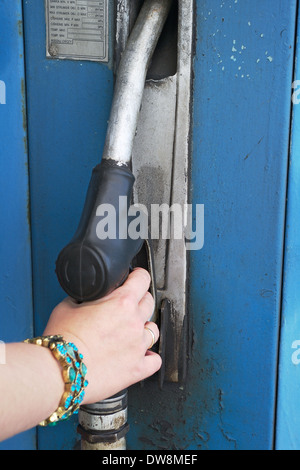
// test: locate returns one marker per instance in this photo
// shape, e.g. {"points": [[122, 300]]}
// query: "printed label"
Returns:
{"points": [[77, 29]]}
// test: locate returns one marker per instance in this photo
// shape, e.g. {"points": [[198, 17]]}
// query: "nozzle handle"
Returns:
{"points": [[91, 266]]}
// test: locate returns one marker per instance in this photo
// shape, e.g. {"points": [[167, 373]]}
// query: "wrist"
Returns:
{"points": [[73, 374], [86, 357]]}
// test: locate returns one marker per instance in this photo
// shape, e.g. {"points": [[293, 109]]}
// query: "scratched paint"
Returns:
{"points": [[242, 59]]}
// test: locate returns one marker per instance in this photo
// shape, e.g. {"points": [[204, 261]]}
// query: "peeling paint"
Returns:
{"points": [[24, 124], [20, 27], [221, 426], [23, 105]]}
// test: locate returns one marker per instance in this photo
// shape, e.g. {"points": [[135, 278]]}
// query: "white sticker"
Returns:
{"points": [[77, 29]]}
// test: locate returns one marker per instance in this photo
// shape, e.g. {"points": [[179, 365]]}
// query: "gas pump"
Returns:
{"points": [[58, 60], [90, 267]]}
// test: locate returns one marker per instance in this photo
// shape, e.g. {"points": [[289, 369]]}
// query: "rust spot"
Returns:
{"points": [[23, 105], [28, 214], [24, 123], [25, 146], [20, 27], [119, 422]]}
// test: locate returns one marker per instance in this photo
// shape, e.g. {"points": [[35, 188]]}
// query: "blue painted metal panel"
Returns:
{"points": [[68, 108], [15, 246], [243, 74], [242, 87], [288, 416]]}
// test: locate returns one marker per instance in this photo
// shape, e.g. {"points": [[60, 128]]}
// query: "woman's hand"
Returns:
{"points": [[111, 335]]}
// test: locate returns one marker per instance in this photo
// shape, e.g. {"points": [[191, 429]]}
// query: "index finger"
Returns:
{"points": [[137, 283]]}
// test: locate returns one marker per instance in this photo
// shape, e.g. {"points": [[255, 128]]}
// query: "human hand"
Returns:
{"points": [[111, 335]]}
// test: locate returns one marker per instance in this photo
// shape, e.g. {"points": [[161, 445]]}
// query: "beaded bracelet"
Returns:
{"points": [[73, 372]]}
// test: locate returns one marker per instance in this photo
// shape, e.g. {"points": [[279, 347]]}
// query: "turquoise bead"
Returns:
{"points": [[70, 351], [72, 374], [83, 369]]}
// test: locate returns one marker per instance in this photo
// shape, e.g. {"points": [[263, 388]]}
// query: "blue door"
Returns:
{"points": [[243, 374]]}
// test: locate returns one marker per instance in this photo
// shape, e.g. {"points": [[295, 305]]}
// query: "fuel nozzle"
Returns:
{"points": [[91, 266]]}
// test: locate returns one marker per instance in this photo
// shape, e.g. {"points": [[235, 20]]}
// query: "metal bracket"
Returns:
{"points": [[160, 163]]}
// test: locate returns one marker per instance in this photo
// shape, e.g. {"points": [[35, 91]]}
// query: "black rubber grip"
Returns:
{"points": [[89, 268]]}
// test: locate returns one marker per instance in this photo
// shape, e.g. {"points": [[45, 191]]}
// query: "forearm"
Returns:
{"points": [[113, 338], [31, 387]]}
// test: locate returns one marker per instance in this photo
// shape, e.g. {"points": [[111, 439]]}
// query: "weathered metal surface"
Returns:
{"points": [[103, 425], [77, 30], [130, 82], [160, 163], [152, 157], [126, 14], [112, 446], [97, 422]]}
